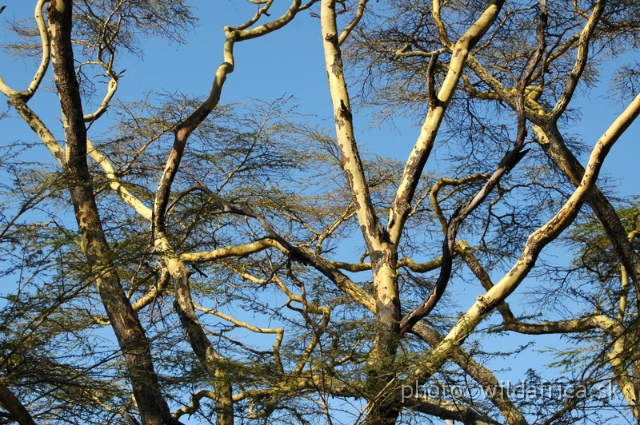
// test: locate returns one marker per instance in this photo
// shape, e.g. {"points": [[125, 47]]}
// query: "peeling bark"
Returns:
{"points": [[438, 105], [384, 256], [553, 144]]}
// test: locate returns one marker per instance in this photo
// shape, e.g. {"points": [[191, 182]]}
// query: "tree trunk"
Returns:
{"points": [[384, 404], [124, 320]]}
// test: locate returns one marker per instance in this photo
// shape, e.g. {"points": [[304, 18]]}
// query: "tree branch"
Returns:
{"points": [[422, 148], [15, 408], [535, 243]]}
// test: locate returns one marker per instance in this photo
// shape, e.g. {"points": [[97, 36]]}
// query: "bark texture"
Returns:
{"points": [[124, 321]]}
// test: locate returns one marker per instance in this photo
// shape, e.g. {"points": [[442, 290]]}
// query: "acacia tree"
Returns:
{"points": [[144, 309]]}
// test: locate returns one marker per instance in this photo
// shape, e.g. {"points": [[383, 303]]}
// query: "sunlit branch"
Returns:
{"points": [[229, 251], [39, 128], [579, 11], [558, 327], [263, 10], [274, 240], [195, 403], [581, 60], [508, 162], [557, 52], [276, 24], [416, 53], [116, 184], [112, 87], [535, 243], [308, 306], [498, 395], [295, 383], [46, 53], [416, 206], [362, 4], [439, 24], [187, 126], [402, 262], [44, 61], [157, 290], [551, 141], [241, 271], [343, 116], [422, 148]]}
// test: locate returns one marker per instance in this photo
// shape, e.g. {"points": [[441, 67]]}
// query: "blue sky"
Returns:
{"points": [[290, 62]]}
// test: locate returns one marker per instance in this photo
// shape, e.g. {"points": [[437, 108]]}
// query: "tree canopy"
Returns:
{"points": [[169, 259]]}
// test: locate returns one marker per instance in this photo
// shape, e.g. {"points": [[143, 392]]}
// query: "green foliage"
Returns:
{"points": [[288, 293]]}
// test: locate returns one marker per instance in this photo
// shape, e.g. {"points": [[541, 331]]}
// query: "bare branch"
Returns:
{"points": [[535, 243], [422, 148], [362, 4]]}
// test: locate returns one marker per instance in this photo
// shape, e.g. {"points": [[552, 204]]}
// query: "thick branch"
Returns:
{"points": [[350, 157], [16, 409], [483, 376], [553, 143], [559, 327], [535, 243], [422, 148], [551, 140]]}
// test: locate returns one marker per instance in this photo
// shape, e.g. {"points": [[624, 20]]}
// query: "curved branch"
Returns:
{"points": [[581, 60], [276, 24], [44, 61], [535, 243], [426, 306], [362, 4]]}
